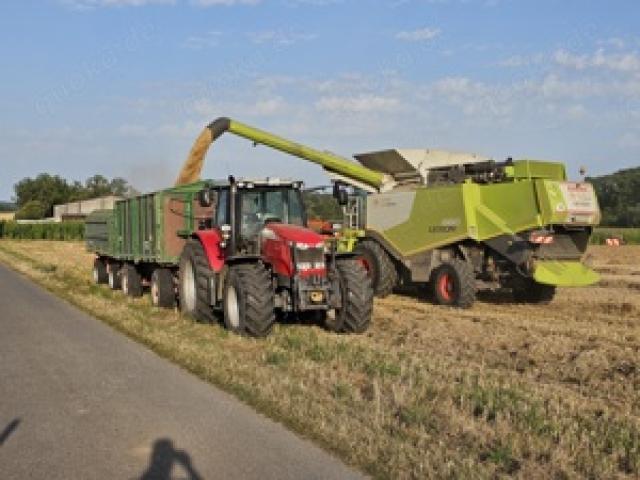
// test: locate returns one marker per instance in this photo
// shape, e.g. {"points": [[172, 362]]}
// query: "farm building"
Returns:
{"points": [[80, 209]]}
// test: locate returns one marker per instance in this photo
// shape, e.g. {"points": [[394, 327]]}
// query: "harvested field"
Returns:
{"points": [[497, 390]]}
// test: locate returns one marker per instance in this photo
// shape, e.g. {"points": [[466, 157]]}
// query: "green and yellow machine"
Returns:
{"points": [[452, 222]]}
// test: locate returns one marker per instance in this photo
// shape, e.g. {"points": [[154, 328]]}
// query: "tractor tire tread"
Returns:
{"points": [[357, 297], [255, 291]]}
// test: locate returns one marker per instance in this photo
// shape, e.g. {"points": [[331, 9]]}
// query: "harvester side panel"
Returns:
{"points": [[436, 217]]}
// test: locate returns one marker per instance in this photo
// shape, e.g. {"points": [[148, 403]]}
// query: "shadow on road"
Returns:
{"points": [[162, 460], [8, 430]]}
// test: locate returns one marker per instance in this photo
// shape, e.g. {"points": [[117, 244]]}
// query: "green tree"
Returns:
{"points": [[619, 197], [52, 190], [32, 210], [47, 189]]}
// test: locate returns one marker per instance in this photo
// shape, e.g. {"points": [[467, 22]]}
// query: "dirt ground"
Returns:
{"points": [[499, 390]]}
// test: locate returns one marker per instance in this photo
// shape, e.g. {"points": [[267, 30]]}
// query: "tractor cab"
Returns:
{"points": [[245, 207]]}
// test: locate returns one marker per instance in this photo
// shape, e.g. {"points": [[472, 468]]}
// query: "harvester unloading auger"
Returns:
{"points": [[192, 167], [451, 221]]}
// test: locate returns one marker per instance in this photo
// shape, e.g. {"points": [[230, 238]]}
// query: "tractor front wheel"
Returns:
{"points": [[354, 316], [193, 283], [378, 265], [453, 283], [248, 300], [534, 292]]}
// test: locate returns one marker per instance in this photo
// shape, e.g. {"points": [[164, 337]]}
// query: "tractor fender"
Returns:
{"points": [[210, 240]]}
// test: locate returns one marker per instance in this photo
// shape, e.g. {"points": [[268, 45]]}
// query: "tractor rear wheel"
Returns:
{"points": [[534, 292], [131, 281], [193, 284], [357, 299], [248, 300], [113, 274], [100, 274], [454, 284], [163, 293], [378, 265]]}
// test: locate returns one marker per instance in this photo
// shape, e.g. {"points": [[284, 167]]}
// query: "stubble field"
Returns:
{"points": [[428, 392]]}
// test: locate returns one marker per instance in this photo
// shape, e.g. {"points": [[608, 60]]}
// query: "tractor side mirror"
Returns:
{"points": [[207, 197], [340, 194]]}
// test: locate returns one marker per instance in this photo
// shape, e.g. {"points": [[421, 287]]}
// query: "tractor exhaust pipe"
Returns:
{"points": [[192, 167]]}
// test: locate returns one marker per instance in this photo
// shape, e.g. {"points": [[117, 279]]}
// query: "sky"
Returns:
{"points": [[123, 87]]}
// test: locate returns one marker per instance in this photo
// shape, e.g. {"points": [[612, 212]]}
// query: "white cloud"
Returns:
{"points": [[280, 37], [517, 61], [90, 4], [228, 3], [364, 103], [206, 40], [420, 35], [619, 62]]}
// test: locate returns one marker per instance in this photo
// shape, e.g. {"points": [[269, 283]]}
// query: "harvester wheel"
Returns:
{"points": [[454, 284], [193, 283], [163, 293], [248, 300], [378, 265], [131, 281], [113, 274], [100, 274], [357, 299], [534, 292]]}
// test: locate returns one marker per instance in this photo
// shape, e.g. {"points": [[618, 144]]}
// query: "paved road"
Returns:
{"points": [[81, 401]]}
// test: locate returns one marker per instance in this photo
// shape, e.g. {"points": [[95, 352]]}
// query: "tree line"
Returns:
{"points": [[619, 197], [35, 197]]}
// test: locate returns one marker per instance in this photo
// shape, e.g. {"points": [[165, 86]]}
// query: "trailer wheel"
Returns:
{"points": [[193, 286], [113, 273], [131, 281], [100, 274], [534, 292], [378, 265], [454, 284], [357, 299], [248, 300], [163, 293]]}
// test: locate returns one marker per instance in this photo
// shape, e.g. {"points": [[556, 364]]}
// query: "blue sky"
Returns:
{"points": [[122, 87]]}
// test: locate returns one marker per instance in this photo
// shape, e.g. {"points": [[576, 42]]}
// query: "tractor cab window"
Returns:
{"points": [[222, 209], [259, 206], [296, 216]]}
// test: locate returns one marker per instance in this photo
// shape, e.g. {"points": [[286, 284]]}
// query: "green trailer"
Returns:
{"points": [[149, 228]]}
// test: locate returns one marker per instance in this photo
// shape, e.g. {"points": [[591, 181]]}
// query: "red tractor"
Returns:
{"points": [[256, 259]]}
